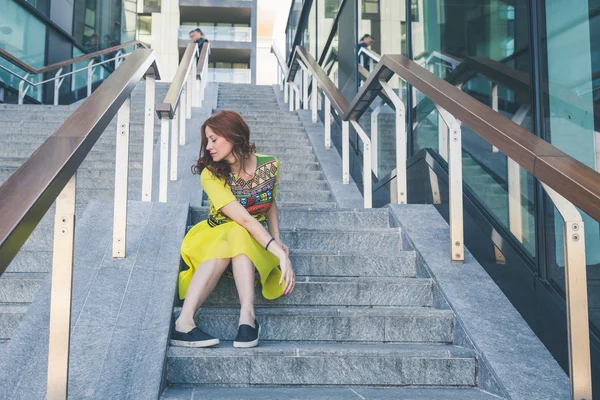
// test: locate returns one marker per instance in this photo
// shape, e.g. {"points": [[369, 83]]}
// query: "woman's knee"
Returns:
{"points": [[241, 259], [218, 263]]}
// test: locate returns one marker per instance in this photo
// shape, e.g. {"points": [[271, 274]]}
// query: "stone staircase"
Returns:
{"points": [[23, 128], [363, 313]]}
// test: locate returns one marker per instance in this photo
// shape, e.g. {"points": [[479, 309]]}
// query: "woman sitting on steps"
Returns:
{"points": [[242, 229]]}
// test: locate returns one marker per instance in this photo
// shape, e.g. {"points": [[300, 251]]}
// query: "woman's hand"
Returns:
{"points": [[287, 276], [283, 246]]}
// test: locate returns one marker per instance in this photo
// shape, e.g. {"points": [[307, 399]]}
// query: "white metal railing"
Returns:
{"points": [[366, 54], [173, 115], [25, 83], [219, 33]]}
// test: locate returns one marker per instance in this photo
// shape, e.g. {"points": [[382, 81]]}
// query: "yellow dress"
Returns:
{"points": [[221, 237]]}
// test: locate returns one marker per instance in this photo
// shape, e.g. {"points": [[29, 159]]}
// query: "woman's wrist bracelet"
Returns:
{"points": [[270, 241]]}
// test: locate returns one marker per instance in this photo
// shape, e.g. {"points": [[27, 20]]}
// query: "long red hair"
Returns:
{"points": [[231, 126]]}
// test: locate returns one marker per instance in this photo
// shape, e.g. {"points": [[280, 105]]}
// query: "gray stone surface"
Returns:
{"points": [[292, 363], [121, 310], [331, 291], [325, 393], [352, 324], [315, 218], [10, 317], [513, 356], [346, 196]]}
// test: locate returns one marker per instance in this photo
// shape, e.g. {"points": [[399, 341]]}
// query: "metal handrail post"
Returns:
{"points": [[367, 177], [148, 156], [184, 102], [304, 86], [57, 83], [22, 89], [401, 143], [494, 106], [327, 123], [576, 297], [313, 102], [121, 180], [455, 179], [61, 292], [118, 58], [164, 159], [90, 76], [345, 152], [179, 113], [375, 138]]}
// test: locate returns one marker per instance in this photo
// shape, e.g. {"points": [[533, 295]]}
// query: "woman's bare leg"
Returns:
{"points": [[203, 283], [243, 273]]}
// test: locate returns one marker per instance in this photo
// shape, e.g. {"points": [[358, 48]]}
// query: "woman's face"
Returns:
{"points": [[218, 147]]}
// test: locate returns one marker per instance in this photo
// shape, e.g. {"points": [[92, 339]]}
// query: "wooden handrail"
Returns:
{"points": [[169, 105], [26, 67], [338, 101], [27, 194]]}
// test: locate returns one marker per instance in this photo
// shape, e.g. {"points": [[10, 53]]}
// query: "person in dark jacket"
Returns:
{"points": [[365, 41], [197, 36]]}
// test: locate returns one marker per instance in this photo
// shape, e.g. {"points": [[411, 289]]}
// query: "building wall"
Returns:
{"points": [[165, 34], [272, 16]]}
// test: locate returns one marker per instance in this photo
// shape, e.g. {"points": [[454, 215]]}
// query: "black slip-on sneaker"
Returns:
{"points": [[194, 338], [247, 336]]}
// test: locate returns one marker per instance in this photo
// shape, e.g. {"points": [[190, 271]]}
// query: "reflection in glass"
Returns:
{"points": [[99, 24], [570, 73], [24, 36], [490, 40]]}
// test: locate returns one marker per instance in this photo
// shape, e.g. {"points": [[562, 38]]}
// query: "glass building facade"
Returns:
{"points": [[45, 32], [535, 62]]}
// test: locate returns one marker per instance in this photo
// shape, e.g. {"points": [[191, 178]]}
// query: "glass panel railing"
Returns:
{"points": [[230, 75], [502, 187], [219, 33]]}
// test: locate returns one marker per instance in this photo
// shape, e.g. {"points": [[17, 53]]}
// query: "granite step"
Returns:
{"points": [[98, 153], [82, 173], [337, 291], [288, 136], [330, 324], [299, 166], [304, 185], [314, 218], [277, 131], [30, 125], [260, 113], [320, 196], [325, 393], [262, 141], [32, 260], [297, 158], [271, 117], [9, 162], [351, 264], [10, 317], [99, 147], [14, 139], [275, 149], [20, 287], [311, 364], [293, 204], [274, 123]]}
